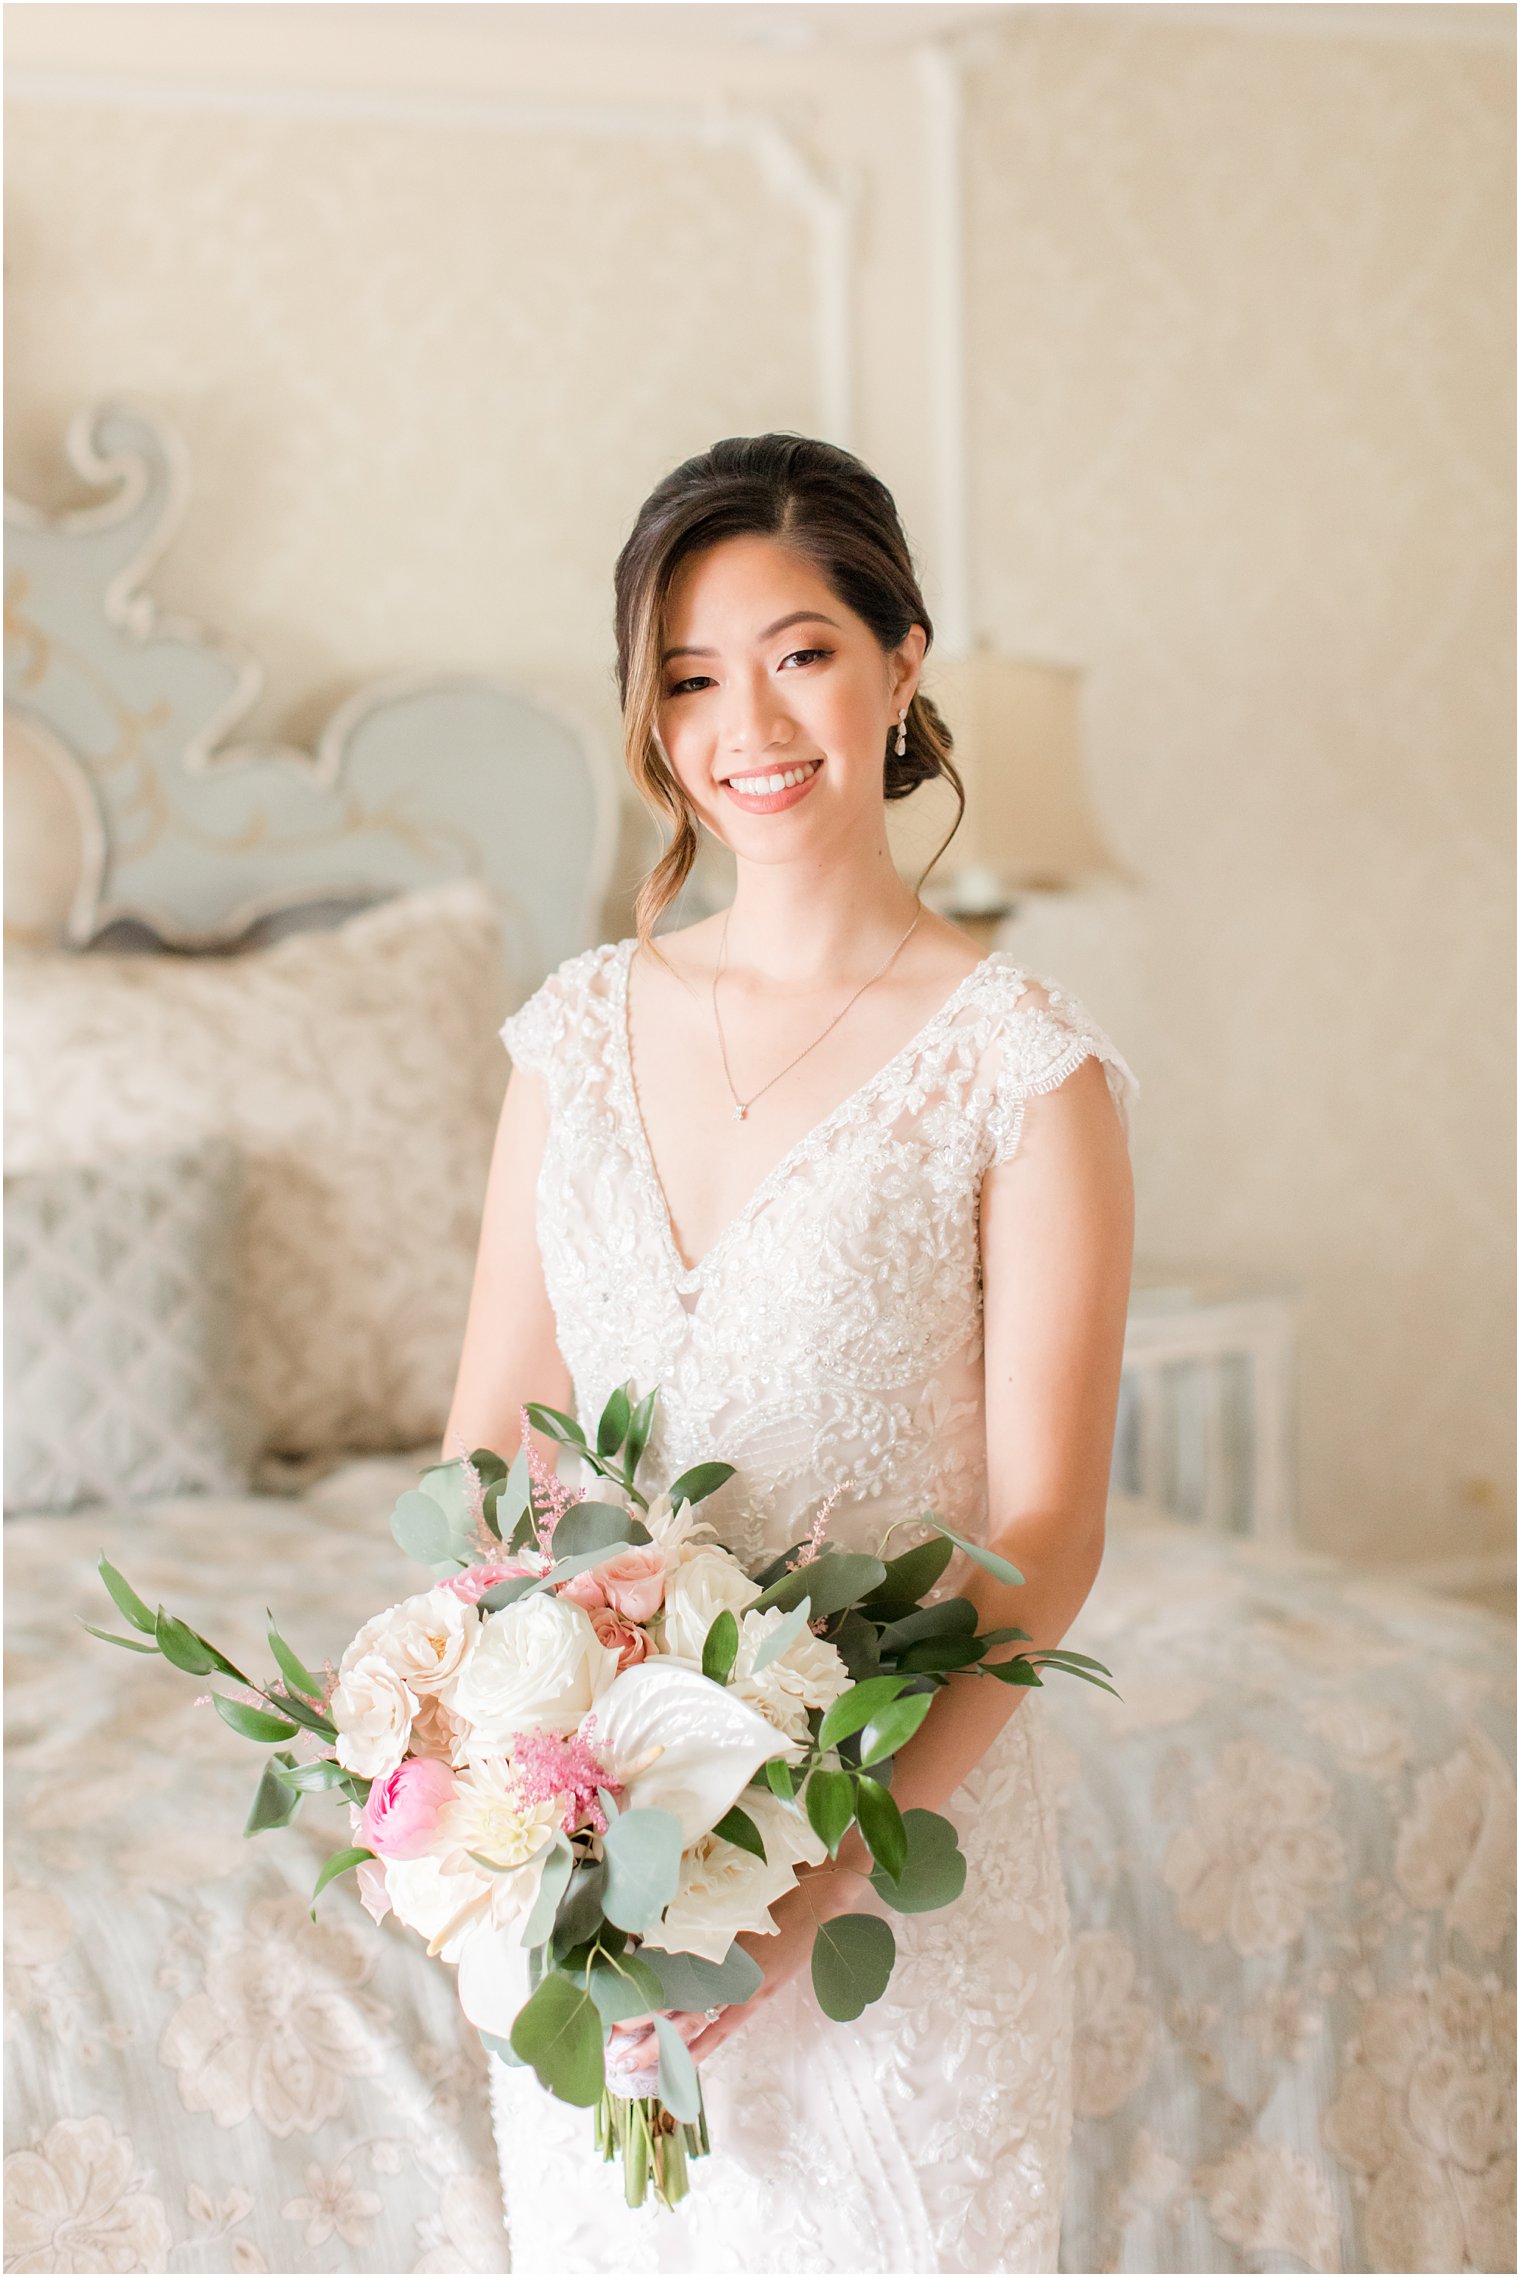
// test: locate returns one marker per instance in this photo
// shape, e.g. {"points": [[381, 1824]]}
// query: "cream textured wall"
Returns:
{"points": [[1240, 355]]}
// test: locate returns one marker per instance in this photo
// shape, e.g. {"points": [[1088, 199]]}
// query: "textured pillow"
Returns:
{"points": [[359, 1073], [119, 1312]]}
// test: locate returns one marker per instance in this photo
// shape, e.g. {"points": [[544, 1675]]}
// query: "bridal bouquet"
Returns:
{"points": [[594, 1749]]}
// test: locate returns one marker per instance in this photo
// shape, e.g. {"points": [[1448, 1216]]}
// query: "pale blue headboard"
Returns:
{"points": [[412, 781]]}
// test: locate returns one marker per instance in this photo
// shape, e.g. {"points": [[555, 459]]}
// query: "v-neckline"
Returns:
{"points": [[689, 1277]]}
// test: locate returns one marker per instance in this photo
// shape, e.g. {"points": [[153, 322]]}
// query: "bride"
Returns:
{"points": [[858, 1201]]}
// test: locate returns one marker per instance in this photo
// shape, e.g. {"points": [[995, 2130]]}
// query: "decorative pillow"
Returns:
{"points": [[359, 1072], [119, 1309]]}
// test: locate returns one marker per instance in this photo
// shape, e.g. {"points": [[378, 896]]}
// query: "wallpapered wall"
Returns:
{"points": [[1240, 367]]}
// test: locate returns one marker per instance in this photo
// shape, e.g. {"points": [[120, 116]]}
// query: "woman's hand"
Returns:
{"points": [[633, 2051]]}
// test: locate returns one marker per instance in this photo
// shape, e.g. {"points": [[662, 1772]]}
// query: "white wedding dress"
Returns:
{"points": [[832, 1332]]}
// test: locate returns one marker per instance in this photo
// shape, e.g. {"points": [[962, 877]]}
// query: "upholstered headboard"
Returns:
{"points": [[135, 802]]}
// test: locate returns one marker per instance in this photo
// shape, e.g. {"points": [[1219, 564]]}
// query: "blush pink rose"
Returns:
{"points": [[619, 1636], [475, 1580], [400, 1819], [583, 1589], [633, 1582]]}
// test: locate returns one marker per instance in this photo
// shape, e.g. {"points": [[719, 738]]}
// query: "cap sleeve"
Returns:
{"points": [[541, 1035], [1042, 1036]]}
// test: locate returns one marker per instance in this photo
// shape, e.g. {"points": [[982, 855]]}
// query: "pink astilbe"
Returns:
{"points": [[475, 1502], [814, 1544], [545, 1768], [556, 1497]]}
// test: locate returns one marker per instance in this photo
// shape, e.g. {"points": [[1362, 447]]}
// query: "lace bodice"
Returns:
{"points": [[833, 1332]]}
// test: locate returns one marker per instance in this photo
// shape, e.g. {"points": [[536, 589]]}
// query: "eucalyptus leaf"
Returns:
{"points": [[420, 1528], [641, 1863], [678, 2088], [505, 1592], [720, 1648], [785, 1634], [600, 1526], [126, 1597], [853, 1956], [558, 2031], [580, 1909], [625, 1988], [934, 1873], [830, 1802], [252, 1723], [739, 1828], [690, 1982], [553, 1882], [913, 1574], [833, 1581], [699, 1482], [444, 1484], [893, 1726], [513, 1502], [998, 1567]]}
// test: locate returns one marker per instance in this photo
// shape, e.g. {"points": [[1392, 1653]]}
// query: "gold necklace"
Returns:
{"points": [[743, 1106]]}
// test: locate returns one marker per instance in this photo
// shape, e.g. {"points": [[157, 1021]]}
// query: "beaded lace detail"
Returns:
{"points": [[832, 1332]]}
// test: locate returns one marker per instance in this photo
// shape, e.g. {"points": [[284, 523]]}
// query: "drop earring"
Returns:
{"points": [[902, 734]]}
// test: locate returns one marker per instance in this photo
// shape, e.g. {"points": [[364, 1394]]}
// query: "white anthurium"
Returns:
{"points": [[678, 1742], [493, 1978]]}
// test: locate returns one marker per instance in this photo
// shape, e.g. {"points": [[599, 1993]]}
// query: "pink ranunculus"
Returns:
{"points": [[585, 1590], [475, 1580], [401, 1816], [619, 1636], [634, 1581]]}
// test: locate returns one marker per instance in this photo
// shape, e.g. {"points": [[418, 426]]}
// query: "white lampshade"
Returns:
{"points": [[1028, 822]]}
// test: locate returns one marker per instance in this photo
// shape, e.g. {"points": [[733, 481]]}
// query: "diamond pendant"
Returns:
{"points": [[740, 1113]]}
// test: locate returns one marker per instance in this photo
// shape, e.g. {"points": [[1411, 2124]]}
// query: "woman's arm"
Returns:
{"points": [[509, 1353], [1057, 1245]]}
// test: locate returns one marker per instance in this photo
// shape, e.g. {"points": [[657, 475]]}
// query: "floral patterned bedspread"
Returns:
{"points": [[1289, 1857]]}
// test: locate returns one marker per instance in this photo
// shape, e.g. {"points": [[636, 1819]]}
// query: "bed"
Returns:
{"points": [[1288, 1848]]}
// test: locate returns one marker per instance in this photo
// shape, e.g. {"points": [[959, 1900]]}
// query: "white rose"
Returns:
{"points": [[373, 1710], [706, 1583], [537, 1666], [723, 1889], [809, 1674], [427, 1639]]}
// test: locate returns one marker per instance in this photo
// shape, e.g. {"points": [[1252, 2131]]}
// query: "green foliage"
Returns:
{"points": [[126, 1598], [857, 1706], [420, 1528], [109, 1636], [855, 1641], [559, 2032], [893, 1726], [690, 1982], [998, 1567], [252, 1723], [338, 1863], [699, 1482], [641, 1864], [678, 2074], [556, 1425], [720, 1648], [624, 1988], [780, 1780], [276, 1798], [853, 1957], [553, 1882], [612, 1428], [599, 1526], [833, 1581], [951, 1616], [938, 1655], [913, 1575], [830, 1801], [934, 1873], [182, 1646], [739, 1828], [295, 1672], [881, 1822]]}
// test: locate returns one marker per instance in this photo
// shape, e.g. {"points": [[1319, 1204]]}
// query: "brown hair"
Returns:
{"points": [[829, 507]]}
